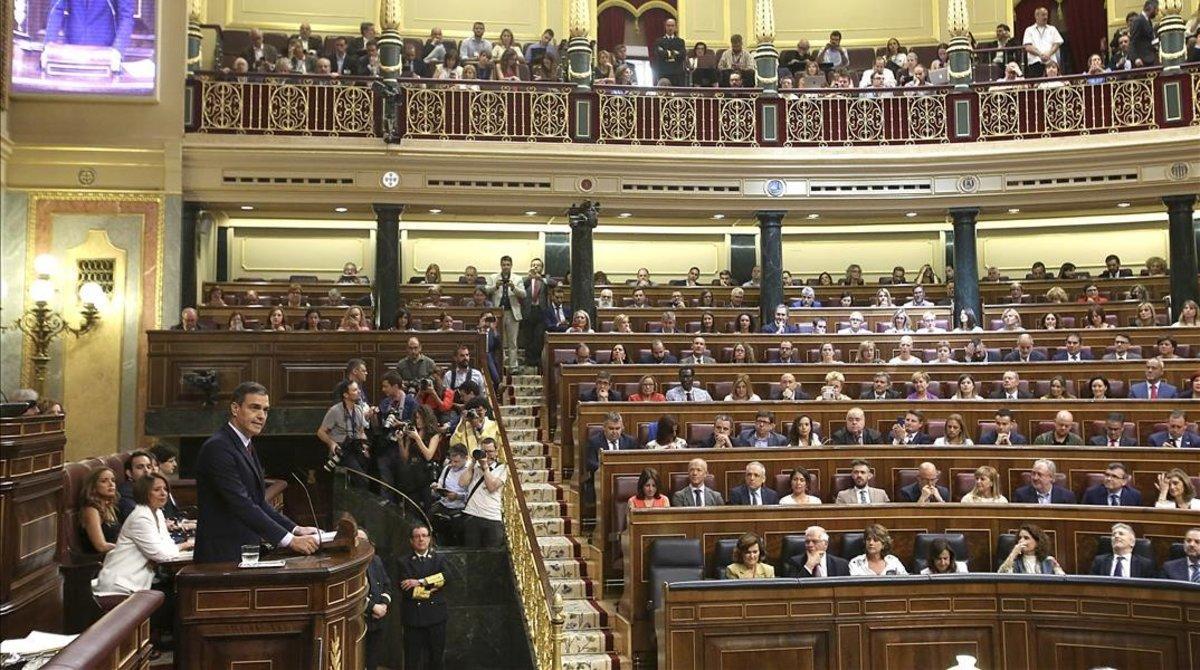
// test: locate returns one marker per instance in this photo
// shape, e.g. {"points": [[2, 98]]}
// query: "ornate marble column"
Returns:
{"points": [[194, 35], [579, 49], [960, 52], [583, 218], [1180, 212], [391, 47], [766, 56], [770, 261], [1172, 44], [966, 264]]}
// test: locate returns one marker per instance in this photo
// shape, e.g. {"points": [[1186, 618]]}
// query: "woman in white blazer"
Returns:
{"points": [[143, 542]]}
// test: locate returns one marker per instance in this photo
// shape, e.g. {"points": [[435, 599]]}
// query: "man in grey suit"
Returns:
{"points": [[696, 494], [697, 355], [861, 493], [509, 297], [1121, 350]]}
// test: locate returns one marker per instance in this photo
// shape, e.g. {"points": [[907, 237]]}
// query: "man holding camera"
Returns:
{"points": [[483, 478], [508, 296], [449, 496], [474, 428], [415, 365], [344, 430]]}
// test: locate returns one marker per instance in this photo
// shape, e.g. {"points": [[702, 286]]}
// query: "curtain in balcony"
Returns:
{"points": [[1086, 26], [652, 21], [611, 30]]}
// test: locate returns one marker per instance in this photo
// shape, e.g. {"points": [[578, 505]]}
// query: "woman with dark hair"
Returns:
{"points": [[967, 321], [1066, 271], [144, 540], [277, 320], [1049, 321], [803, 433], [706, 300], [1192, 390], [743, 353], [744, 324], [236, 322], [824, 279], [1099, 388], [617, 355], [1031, 554], [941, 559], [747, 560], [1096, 317], [312, 320], [708, 323], [846, 299], [418, 456], [926, 276], [799, 494], [216, 297], [648, 495], [403, 320], [1175, 491], [956, 433], [967, 389], [666, 435], [877, 559], [98, 511], [1058, 389]]}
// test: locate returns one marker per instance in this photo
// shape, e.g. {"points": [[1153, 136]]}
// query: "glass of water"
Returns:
{"points": [[250, 554]]}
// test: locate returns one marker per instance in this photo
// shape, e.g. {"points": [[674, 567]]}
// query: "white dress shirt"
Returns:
{"points": [[143, 541]]}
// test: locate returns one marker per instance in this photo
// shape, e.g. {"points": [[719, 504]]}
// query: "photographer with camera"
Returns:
{"points": [[508, 296], [449, 497], [410, 457], [474, 428], [432, 394], [463, 373], [415, 365], [344, 430], [483, 478]]}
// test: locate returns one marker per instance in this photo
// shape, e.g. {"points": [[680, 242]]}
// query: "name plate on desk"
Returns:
{"points": [[262, 564]]}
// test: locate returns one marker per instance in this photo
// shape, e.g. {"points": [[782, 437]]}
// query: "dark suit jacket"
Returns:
{"points": [[1141, 36], [1098, 495], [1123, 272], [838, 567], [598, 444], [1015, 438], [528, 307], [1084, 355], [422, 613], [869, 394], [1176, 569], [233, 508], [665, 66], [870, 436], [1139, 566], [314, 43], [998, 394], [669, 359], [912, 493], [125, 501], [1014, 356], [1012, 56], [800, 394], [613, 396], [379, 591], [772, 328], [269, 54], [919, 438], [1058, 495], [347, 67], [740, 495], [1189, 440], [746, 439], [107, 24], [551, 319], [1102, 441]]}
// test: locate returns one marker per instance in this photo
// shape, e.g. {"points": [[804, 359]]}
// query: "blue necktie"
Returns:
{"points": [[1119, 571]]}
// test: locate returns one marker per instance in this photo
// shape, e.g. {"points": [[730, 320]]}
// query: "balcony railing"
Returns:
{"points": [[426, 109]]}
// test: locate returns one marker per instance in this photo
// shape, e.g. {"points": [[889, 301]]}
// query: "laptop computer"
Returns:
{"points": [[940, 76]]}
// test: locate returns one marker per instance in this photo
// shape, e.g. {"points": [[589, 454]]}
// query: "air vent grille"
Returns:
{"points": [[488, 183], [870, 188], [267, 180], [1050, 181], [673, 187]]}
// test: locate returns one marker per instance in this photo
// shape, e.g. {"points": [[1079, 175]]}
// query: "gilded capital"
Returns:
{"points": [[196, 11], [389, 15], [579, 19], [764, 21], [957, 19], [1170, 7]]}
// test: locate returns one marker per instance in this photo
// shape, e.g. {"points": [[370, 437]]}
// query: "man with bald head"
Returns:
{"points": [[260, 56], [416, 365], [697, 493], [816, 561], [926, 489], [1024, 353], [189, 320], [1010, 388], [855, 430], [1061, 434]]}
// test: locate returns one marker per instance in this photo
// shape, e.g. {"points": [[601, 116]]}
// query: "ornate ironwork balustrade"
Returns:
{"points": [[283, 105]]}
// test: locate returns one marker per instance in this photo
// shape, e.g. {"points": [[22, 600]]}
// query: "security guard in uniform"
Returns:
{"points": [[422, 607]]}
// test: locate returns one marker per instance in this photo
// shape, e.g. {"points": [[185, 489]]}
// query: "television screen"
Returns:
{"points": [[85, 47]]}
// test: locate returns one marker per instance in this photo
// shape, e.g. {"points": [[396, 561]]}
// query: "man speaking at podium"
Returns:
{"points": [[230, 490]]}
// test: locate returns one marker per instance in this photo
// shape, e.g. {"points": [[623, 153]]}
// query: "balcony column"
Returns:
{"points": [[1172, 44], [960, 53], [579, 49], [766, 56], [1180, 212], [966, 265], [194, 35], [387, 262], [188, 286], [391, 47], [770, 261], [583, 218]]}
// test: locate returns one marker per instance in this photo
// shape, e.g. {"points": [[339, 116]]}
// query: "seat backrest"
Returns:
{"points": [[853, 544], [673, 560], [1096, 428], [625, 488], [723, 556], [964, 482], [1176, 551], [1141, 547], [957, 541], [1004, 547], [680, 480], [791, 545], [699, 432], [1044, 426], [841, 482], [903, 477], [720, 389]]}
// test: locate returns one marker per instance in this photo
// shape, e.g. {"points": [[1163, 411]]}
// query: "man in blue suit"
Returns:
{"points": [[101, 23], [230, 490], [557, 314], [1186, 569], [611, 438], [1154, 388], [926, 488], [1073, 352], [1042, 490], [780, 325], [1006, 431], [1177, 434], [659, 355], [1115, 491], [762, 434], [753, 492], [1024, 353], [1114, 433]]}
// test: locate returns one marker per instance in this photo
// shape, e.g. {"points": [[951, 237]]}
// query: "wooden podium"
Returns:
{"points": [[305, 615]]}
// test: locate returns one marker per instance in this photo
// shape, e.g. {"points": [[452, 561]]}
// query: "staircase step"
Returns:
{"points": [[583, 615], [537, 492], [578, 642], [526, 447], [551, 526], [545, 510], [558, 546], [519, 422], [594, 662], [565, 568], [533, 476], [510, 411], [538, 462], [572, 589]]}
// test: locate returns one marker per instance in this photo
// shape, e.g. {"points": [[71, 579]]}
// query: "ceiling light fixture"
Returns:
{"points": [[530, 213], [910, 214], [1122, 205], [435, 211], [625, 215], [718, 217], [247, 208], [341, 210]]}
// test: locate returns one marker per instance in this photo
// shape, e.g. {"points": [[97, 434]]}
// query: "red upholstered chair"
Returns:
{"points": [[718, 390], [698, 433], [603, 356], [628, 389], [964, 482], [903, 477], [680, 479], [1096, 428], [841, 482]]}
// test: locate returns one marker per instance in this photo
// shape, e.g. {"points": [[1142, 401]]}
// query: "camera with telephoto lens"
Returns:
{"points": [[396, 426], [478, 455]]}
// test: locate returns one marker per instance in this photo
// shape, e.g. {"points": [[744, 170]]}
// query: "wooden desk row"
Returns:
{"points": [[1018, 622], [278, 290], [1074, 531], [894, 467], [260, 314]]}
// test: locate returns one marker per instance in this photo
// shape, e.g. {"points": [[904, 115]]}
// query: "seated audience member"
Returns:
{"points": [[1091, 294], [868, 353], [742, 390], [617, 355], [967, 322], [941, 559], [236, 322], [581, 322], [747, 560], [920, 384], [1072, 351], [1005, 433], [926, 488], [753, 492], [166, 458], [967, 389], [929, 326], [743, 353], [909, 431], [1058, 389], [1189, 315], [722, 434], [1175, 491], [1095, 318], [658, 354], [583, 355], [1121, 350], [1099, 388], [611, 438], [1154, 388], [1024, 351], [816, 561], [1010, 388], [648, 494], [1177, 434], [687, 391], [647, 391], [883, 298], [1042, 490], [780, 325], [1186, 568], [1146, 315], [138, 465], [881, 388], [832, 390], [905, 357], [828, 354], [698, 354], [277, 321], [144, 540], [803, 433], [1049, 321], [1061, 434], [808, 298], [295, 298], [737, 297], [956, 433], [403, 320], [666, 435], [975, 351], [98, 524], [878, 559], [861, 493], [697, 493], [1155, 267], [985, 491], [1192, 390], [1122, 562], [478, 299], [789, 389], [312, 320], [416, 365], [856, 325], [744, 324], [708, 323], [1038, 272], [918, 299], [602, 391], [1166, 347], [353, 320], [1031, 554], [189, 321], [1010, 319], [668, 320], [762, 434], [1114, 491], [1114, 433], [855, 431], [215, 297], [799, 488]]}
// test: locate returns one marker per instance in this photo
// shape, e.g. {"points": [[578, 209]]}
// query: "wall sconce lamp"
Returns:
{"points": [[44, 322]]}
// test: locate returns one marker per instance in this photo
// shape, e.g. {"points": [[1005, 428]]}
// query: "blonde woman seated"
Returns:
{"points": [[985, 487], [621, 324], [832, 390], [956, 433], [901, 323], [581, 322], [747, 560], [802, 434], [878, 559], [1010, 320], [1145, 315], [799, 494], [353, 320], [143, 542], [1175, 491], [920, 383], [648, 495], [868, 353], [941, 559], [1188, 315], [1031, 554], [742, 390], [666, 435], [883, 298], [1057, 294]]}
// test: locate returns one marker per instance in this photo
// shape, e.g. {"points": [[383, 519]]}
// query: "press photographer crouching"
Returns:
{"points": [[344, 431], [449, 497], [483, 478]]}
